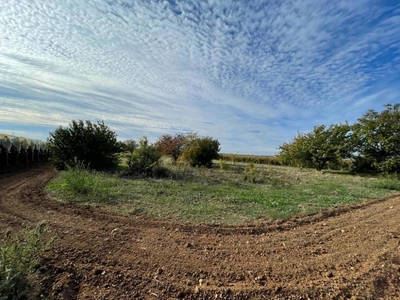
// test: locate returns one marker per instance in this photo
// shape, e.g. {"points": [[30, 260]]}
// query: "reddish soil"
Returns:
{"points": [[351, 252]]}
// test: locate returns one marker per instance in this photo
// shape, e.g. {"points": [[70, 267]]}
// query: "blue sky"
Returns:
{"points": [[249, 73]]}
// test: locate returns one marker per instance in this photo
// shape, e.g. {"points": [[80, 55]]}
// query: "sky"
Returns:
{"points": [[251, 74]]}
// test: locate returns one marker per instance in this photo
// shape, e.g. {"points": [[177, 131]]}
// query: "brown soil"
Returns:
{"points": [[351, 252]]}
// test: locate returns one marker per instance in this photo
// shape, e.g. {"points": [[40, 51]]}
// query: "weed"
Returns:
{"points": [[242, 192], [388, 183], [223, 165], [78, 185], [19, 257]]}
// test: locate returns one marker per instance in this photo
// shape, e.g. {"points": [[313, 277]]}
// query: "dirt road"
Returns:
{"points": [[347, 253]]}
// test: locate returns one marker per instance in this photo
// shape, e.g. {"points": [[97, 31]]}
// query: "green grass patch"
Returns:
{"points": [[89, 187], [387, 183], [19, 259], [231, 194]]}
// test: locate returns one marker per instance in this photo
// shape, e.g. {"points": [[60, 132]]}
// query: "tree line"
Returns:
{"points": [[371, 144], [95, 146]]}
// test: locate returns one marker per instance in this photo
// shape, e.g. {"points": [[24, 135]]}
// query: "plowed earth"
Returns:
{"points": [[352, 252]]}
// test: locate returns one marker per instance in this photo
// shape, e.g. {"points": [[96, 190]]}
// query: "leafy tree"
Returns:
{"points": [[129, 146], [171, 145], [376, 137], [318, 147], [92, 143], [200, 151], [296, 152], [144, 159]]}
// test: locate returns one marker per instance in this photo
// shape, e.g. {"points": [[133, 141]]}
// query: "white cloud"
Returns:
{"points": [[225, 69]]}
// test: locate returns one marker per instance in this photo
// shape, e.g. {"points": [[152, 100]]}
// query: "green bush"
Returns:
{"points": [[144, 160], [200, 151], [94, 144], [19, 257]]}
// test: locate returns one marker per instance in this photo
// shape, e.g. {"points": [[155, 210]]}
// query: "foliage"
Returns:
{"points": [[171, 145], [222, 164], [390, 182], [92, 143], [19, 257], [144, 160], [318, 147], [256, 159], [222, 196], [376, 137], [129, 146], [200, 151], [250, 168], [85, 186]]}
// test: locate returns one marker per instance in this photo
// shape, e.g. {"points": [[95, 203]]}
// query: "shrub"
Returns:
{"points": [[94, 144], [144, 159], [200, 151], [19, 257], [250, 168], [171, 145], [223, 165], [129, 146]]}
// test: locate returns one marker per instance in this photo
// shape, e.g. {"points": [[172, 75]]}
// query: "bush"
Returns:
{"points": [[129, 146], [94, 144], [19, 257], [144, 160], [200, 151], [171, 145]]}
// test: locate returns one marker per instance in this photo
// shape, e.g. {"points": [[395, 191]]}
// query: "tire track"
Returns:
{"points": [[351, 251]]}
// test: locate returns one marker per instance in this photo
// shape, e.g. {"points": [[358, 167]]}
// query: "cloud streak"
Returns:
{"points": [[250, 73]]}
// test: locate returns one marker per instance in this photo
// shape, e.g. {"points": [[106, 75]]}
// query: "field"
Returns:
{"points": [[226, 194], [237, 231]]}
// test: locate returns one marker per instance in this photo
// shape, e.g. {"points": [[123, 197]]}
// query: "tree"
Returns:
{"points": [[144, 159], [94, 144], [199, 151], [376, 137], [318, 147], [171, 145], [129, 146]]}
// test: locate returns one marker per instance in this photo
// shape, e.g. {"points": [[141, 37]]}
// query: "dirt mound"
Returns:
{"points": [[351, 252]]}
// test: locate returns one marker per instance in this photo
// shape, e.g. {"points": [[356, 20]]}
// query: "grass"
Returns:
{"points": [[228, 194], [19, 259]]}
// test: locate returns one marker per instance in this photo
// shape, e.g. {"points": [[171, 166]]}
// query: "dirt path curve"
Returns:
{"points": [[346, 253]]}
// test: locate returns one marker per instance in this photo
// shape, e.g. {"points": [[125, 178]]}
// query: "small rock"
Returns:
{"points": [[261, 277]]}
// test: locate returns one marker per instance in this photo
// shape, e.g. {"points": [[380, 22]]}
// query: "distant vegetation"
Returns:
{"points": [[188, 183], [96, 147], [255, 159], [372, 144]]}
